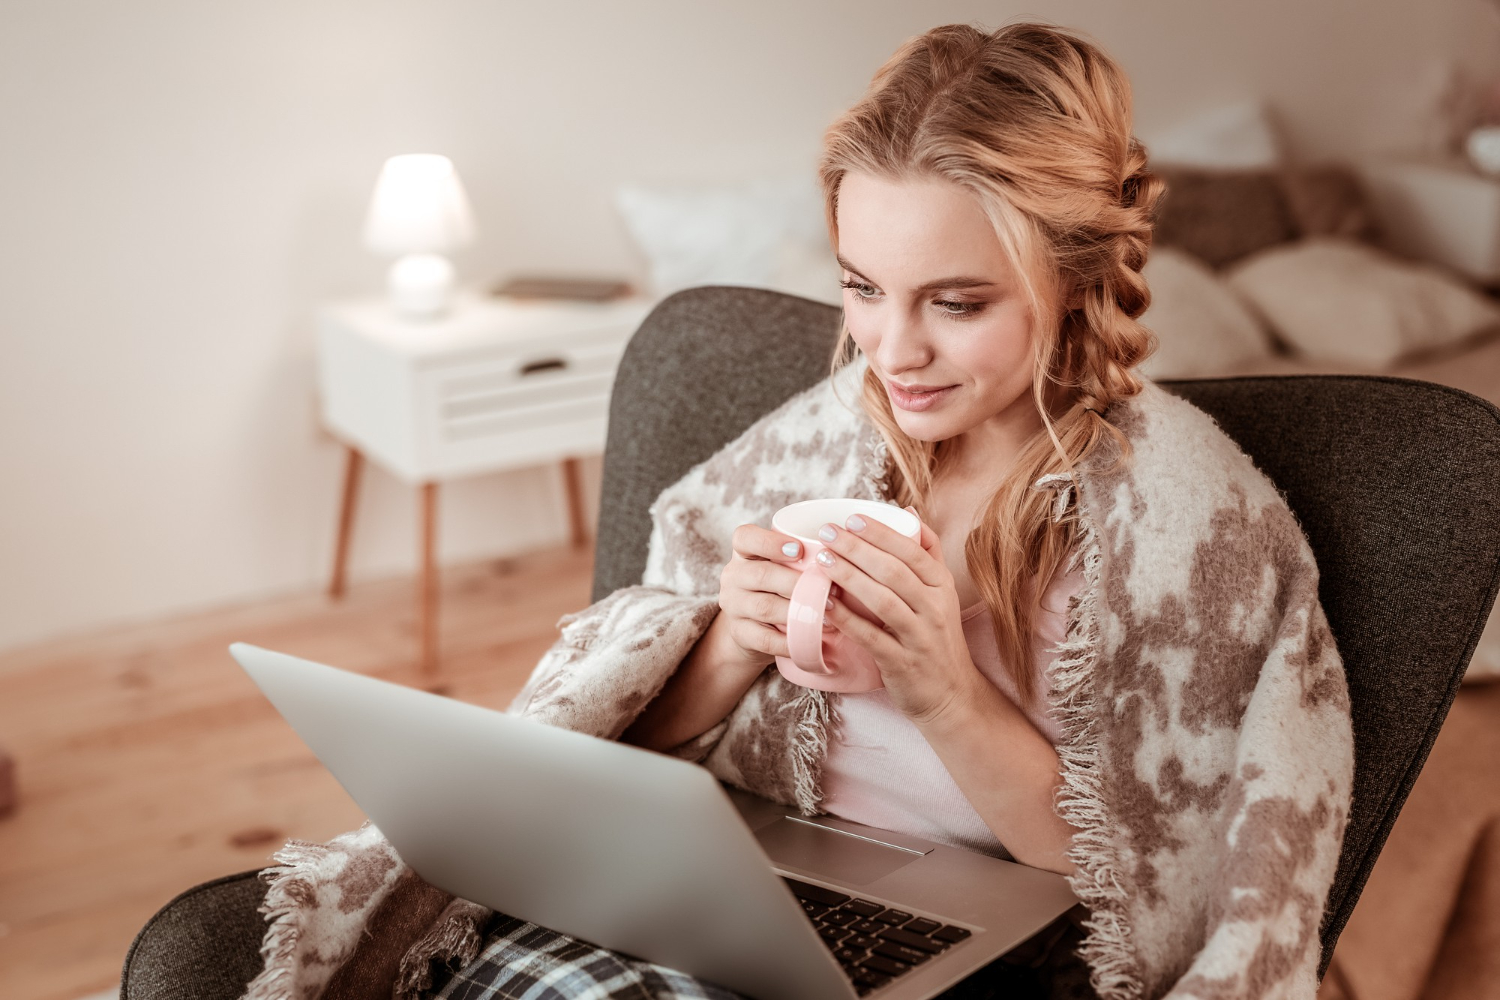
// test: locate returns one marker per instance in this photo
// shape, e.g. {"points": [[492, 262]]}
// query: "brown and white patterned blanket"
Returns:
{"points": [[1208, 753]]}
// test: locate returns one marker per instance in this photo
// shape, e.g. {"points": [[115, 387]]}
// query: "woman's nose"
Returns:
{"points": [[903, 346]]}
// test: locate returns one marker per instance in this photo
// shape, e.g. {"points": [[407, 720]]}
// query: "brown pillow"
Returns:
{"points": [[1328, 200], [1221, 216]]}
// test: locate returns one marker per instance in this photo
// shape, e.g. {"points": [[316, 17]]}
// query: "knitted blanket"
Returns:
{"points": [[1207, 756]]}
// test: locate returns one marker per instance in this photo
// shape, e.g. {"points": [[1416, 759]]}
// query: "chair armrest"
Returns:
{"points": [[203, 945]]}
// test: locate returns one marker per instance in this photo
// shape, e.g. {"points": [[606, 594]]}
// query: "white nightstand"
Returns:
{"points": [[1442, 210], [495, 384]]}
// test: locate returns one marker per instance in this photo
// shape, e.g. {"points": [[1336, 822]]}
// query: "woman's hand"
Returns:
{"points": [[755, 589], [925, 662], [922, 654]]}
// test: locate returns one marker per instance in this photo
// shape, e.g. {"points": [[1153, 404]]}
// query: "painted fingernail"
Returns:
{"points": [[828, 604], [855, 523], [828, 533], [791, 549], [825, 557]]}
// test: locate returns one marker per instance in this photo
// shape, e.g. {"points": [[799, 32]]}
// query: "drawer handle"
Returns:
{"points": [[546, 365]]}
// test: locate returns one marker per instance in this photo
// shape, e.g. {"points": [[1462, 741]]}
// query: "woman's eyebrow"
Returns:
{"points": [[927, 286]]}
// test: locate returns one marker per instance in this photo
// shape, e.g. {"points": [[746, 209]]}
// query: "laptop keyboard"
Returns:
{"points": [[874, 943]]}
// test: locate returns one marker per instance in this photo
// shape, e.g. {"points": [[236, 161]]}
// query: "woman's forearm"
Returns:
{"points": [[711, 680], [1007, 770]]}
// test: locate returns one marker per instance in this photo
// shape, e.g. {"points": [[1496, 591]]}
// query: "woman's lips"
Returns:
{"points": [[917, 401]]}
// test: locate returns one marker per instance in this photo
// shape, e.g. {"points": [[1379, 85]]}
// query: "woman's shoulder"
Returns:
{"points": [[1190, 516], [1181, 457]]}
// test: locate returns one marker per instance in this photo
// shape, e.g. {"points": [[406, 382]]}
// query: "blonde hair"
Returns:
{"points": [[1035, 122]]}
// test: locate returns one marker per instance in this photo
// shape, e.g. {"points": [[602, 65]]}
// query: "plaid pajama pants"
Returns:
{"points": [[522, 961]]}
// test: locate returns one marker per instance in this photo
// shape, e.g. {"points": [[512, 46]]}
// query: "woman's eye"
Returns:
{"points": [[947, 307], [952, 308], [861, 289]]}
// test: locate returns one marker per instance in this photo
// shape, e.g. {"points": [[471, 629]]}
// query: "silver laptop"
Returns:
{"points": [[649, 855]]}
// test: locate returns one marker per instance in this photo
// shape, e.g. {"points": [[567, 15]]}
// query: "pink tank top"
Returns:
{"points": [[879, 769]]}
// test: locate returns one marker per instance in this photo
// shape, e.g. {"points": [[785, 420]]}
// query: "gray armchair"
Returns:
{"points": [[1396, 482]]}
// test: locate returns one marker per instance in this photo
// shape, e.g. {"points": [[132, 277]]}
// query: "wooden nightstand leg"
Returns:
{"points": [[573, 479], [7, 784], [427, 582], [353, 464]]}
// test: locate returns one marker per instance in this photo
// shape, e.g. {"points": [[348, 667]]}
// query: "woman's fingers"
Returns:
{"points": [[923, 555], [932, 544], [876, 640], [769, 609], [760, 575], [751, 541], [885, 602], [873, 574], [756, 585], [750, 635]]}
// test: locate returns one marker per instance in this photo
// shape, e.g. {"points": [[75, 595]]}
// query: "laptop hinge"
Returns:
{"points": [[859, 836]]}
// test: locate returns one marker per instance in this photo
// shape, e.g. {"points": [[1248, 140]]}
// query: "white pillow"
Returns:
{"points": [[1335, 299], [1236, 136], [1201, 327], [767, 233]]}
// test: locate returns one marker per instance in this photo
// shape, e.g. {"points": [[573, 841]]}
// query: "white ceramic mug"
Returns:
{"points": [[821, 656]]}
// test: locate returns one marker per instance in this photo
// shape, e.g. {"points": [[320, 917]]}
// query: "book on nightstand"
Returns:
{"points": [[574, 289]]}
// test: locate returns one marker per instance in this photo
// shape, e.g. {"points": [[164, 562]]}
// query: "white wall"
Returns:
{"points": [[181, 183]]}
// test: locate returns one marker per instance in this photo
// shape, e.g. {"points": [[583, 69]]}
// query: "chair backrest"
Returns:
{"points": [[1395, 482]]}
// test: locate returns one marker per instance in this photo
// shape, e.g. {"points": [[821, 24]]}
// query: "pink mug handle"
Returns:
{"points": [[804, 621]]}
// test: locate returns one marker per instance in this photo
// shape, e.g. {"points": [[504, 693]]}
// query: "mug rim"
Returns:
{"points": [[870, 505]]}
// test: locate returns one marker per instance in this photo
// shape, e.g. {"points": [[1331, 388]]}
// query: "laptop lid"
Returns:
{"points": [[632, 850]]}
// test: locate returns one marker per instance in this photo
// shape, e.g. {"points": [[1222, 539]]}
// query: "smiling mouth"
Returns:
{"points": [[913, 399]]}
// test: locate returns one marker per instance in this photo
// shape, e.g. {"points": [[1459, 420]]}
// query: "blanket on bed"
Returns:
{"points": [[1207, 755]]}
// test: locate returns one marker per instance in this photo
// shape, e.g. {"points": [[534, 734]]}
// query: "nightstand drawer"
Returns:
{"points": [[569, 425], [492, 386], [519, 366], [541, 401], [530, 388]]}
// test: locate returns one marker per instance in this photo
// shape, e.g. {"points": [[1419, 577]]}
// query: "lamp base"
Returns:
{"points": [[421, 285]]}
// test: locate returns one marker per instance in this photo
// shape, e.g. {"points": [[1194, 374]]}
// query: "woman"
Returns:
{"points": [[1104, 655], [981, 379]]}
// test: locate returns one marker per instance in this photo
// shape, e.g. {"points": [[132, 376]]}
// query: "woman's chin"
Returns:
{"points": [[920, 427]]}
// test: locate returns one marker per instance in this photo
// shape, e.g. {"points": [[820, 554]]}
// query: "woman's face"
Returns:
{"points": [[933, 302]]}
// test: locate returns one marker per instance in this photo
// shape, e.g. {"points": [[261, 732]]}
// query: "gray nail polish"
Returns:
{"points": [[791, 549]]}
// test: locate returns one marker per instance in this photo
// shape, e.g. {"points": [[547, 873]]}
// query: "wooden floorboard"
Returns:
{"points": [[147, 762]]}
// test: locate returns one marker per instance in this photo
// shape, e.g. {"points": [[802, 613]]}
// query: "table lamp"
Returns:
{"points": [[418, 213]]}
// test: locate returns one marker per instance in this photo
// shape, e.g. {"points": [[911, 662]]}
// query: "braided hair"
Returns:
{"points": [[1034, 121]]}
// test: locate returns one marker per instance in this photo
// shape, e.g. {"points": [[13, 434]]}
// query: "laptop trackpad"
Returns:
{"points": [[837, 856]]}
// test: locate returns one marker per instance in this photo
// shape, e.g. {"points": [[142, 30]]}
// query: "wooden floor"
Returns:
{"points": [[148, 762]]}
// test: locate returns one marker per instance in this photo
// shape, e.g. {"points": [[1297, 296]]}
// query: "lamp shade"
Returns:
{"points": [[419, 207]]}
